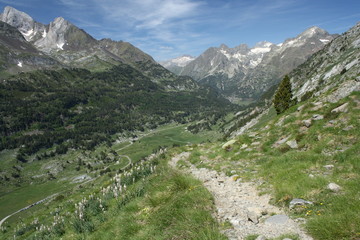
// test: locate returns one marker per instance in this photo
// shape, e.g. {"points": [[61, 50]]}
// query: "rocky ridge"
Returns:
{"points": [[62, 44], [235, 71]]}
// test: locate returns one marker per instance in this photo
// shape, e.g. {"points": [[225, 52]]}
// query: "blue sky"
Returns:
{"points": [[169, 28]]}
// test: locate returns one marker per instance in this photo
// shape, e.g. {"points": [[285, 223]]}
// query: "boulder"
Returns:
{"points": [[317, 117], [333, 187], [342, 108], [307, 122], [228, 144], [299, 202], [292, 144]]}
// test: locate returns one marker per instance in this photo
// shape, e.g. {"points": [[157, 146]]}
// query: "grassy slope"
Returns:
{"points": [[13, 198], [162, 205], [300, 173]]}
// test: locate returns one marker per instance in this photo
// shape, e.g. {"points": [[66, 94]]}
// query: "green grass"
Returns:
{"points": [[163, 205], [166, 136], [15, 197], [299, 173]]}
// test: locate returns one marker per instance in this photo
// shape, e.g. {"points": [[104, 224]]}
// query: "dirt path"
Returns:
{"points": [[239, 203]]}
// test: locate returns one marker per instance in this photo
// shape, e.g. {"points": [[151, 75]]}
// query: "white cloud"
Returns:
{"points": [[148, 14]]}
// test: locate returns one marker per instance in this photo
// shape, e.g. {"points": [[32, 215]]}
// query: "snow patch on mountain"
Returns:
{"points": [[226, 54], [20, 64], [179, 61], [259, 50], [60, 45]]}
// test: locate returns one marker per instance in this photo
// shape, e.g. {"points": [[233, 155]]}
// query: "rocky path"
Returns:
{"points": [[239, 203]]}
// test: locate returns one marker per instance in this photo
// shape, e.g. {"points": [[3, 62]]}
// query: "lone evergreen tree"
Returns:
{"points": [[283, 96]]}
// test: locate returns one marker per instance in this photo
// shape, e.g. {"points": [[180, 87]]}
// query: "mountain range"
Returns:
{"points": [[235, 72], [61, 44]]}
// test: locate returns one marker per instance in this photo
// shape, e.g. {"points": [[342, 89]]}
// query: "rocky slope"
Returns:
{"points": [[235, 71], [16, 54], [335, 69]]}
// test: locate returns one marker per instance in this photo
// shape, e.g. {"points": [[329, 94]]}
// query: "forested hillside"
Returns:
{"points": [[74, 108]]}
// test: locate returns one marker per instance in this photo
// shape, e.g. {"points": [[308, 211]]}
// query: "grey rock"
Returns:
{"points": [[278, 219], [282, 140], [329, 167], [299, 202], [254, 213], [261, 237], [307, 123], [343, 108], [292, 144], [334, 187], [299, 109], [287, 239], [348, 128], [252, 217], [317, 117]]}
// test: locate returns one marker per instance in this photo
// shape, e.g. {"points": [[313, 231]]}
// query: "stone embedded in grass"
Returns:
{"points": [[292, 144], [317, 117], [329, 167], [243, 146], [299, 202], [228, 145], [333, 187], [281, 141], [307, 122], [348, 128], [343, 108]]}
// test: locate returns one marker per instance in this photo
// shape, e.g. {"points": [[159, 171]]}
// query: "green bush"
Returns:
{"points": [[283, 96]]}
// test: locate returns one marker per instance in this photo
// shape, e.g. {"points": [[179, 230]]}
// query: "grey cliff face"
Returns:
{"points": [[30, 29]]}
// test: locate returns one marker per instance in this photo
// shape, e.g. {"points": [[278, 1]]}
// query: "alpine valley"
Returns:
{"points": [[99, 141]]}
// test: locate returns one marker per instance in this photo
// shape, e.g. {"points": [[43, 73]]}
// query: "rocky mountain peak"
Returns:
{"points": [[224, 47], [22, 21], [310, 32], [263, 44], [29, 28]]}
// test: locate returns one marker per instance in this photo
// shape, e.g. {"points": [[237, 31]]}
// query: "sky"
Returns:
{"points": [[167, 29]]}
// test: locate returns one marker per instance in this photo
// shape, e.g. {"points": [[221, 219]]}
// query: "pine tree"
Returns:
{"points": [[283, 96]]}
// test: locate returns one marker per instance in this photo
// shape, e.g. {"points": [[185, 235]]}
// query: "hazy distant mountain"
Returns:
{"points": [[245, 73], [176, 64]]}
